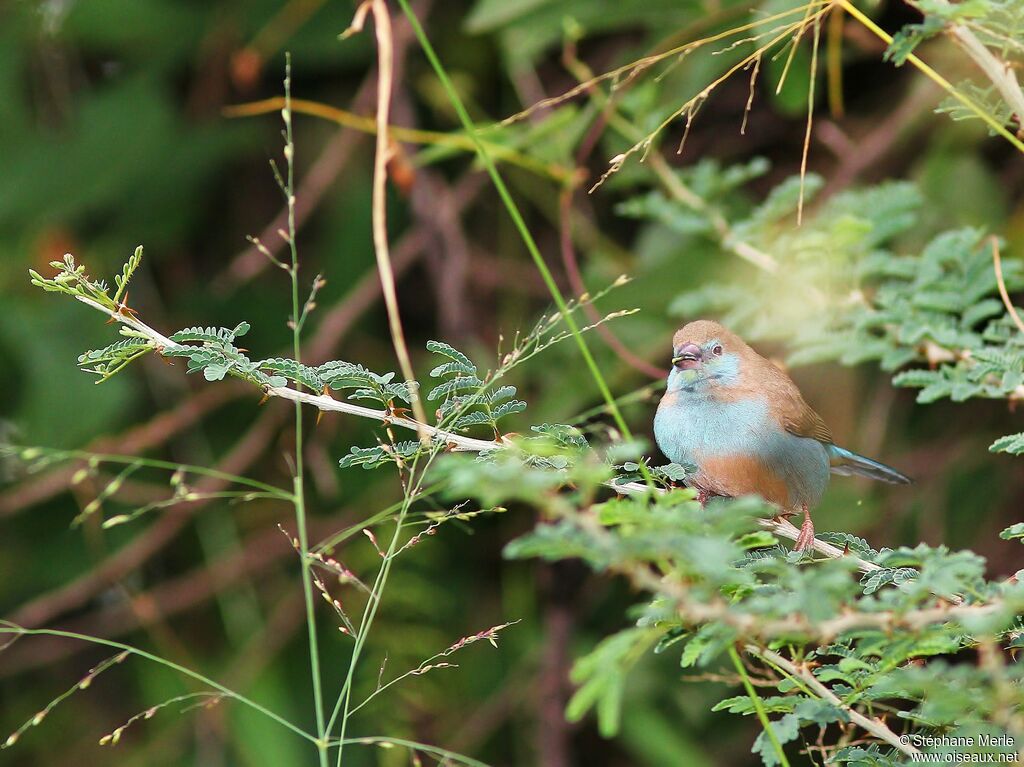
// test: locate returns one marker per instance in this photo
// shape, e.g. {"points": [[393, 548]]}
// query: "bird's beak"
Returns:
{"points": [[687, 357]]}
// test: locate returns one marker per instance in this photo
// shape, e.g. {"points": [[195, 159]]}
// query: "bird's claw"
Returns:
{"points": [[806, 538]]}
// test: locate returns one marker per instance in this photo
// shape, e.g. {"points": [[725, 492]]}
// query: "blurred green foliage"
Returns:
{"points": [[113, 135]]}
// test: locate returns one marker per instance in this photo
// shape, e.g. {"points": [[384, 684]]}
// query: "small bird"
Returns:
{"points": [[741, 421]]}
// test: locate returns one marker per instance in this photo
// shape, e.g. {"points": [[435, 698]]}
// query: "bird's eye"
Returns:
{"points": [[717, 350]]}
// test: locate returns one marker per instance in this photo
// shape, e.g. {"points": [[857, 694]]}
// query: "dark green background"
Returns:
{"points": [[112, 135]]}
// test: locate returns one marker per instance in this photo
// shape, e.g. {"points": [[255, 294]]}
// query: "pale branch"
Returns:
{"points": [[319, 401], [456, 442], [876, 727], [778, 526], [696, 613], [999, 72]]}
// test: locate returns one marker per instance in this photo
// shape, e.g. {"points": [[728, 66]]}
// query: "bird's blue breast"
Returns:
{"points": [[692, 426]]}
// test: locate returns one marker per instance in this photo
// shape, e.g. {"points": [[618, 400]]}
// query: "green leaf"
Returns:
{"points": [[1011, 443], [601, 676], [439, 347], [1013, 532], [785, 729], [820, 712], [215, 371], [707, 644], [457, 384], [294, 371], [909, 37], [758, 539], [111, 359], [775, 704], [447, 368], [876, 579], [562, 434], [372, 457], [121, 280], [860, 756], [211, 335], [508, 408]]}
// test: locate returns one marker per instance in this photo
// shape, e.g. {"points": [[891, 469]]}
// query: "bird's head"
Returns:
{"points": [[704, 354]]}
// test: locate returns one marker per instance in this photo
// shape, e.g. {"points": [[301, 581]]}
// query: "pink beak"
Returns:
{"points": [[687, 357]]}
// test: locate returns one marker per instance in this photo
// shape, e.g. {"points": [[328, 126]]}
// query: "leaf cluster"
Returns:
{"points": [[464, 398], [715, 577], [849, 295]]}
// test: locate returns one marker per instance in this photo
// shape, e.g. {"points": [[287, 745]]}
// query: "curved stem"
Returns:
{"points": [[448, 142], [446, 756], [153, 463], [758, 706], [517, 219], [9, 628]]}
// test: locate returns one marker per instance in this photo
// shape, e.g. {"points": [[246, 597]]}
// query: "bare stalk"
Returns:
{"points": [[385, 68], [298, 490]]}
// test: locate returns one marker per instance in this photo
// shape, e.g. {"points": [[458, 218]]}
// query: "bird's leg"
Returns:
{"points": [[806, 538], [702, 496]]}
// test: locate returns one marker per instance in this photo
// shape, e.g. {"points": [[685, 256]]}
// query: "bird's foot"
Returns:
{"points": [[702, 496], [806, 538]]}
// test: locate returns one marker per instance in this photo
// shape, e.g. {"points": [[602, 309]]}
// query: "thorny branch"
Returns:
{"points": [[454, 441], [876, 727]]}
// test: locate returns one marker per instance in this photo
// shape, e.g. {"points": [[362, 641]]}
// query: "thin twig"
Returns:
{"points": [[572, 269], [797, 625], [780, 527], [437, 139], [71, 595], [999, 72], [810, 120], [385, 73], [321, 174], [875, 726], [520, 224], [298, 480], [755, 699], [258, 558], [934, 76], [1004, 294], [8, 628]]}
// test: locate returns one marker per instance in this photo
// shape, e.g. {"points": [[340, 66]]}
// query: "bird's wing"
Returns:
{"points": [[804, 422], [786, 402]]}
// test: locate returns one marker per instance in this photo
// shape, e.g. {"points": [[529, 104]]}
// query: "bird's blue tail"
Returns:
{"points": [[843, 461]]}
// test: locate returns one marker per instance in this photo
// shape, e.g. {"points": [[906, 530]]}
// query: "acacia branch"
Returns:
{"points": [[456, 442], [753, 625], [876, 727], [999, 72]]}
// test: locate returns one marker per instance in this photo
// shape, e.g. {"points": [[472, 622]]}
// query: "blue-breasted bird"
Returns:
{"points": [[742, 422]]}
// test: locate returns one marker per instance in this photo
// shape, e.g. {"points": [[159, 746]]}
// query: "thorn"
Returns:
{"points": [[123, 308]]}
